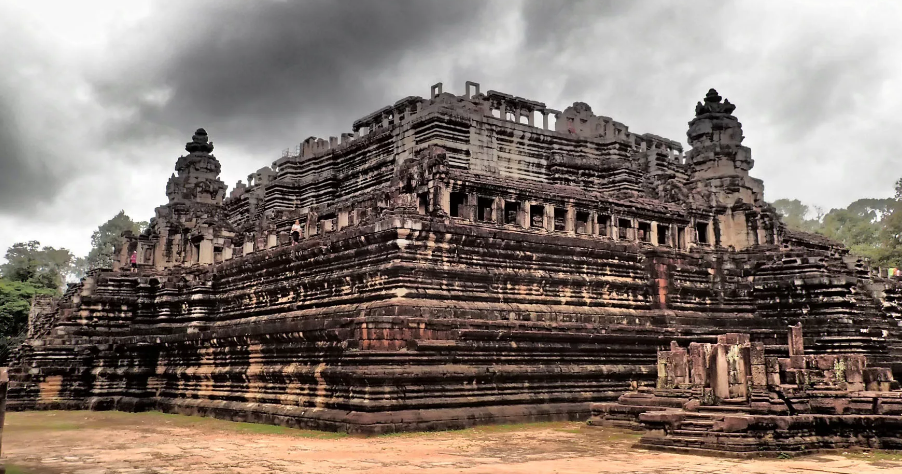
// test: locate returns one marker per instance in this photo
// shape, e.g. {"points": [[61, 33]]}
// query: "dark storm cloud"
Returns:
{"points": [[27, 180], [254, 71], [23, 179], [814, 73], [91, 126]]}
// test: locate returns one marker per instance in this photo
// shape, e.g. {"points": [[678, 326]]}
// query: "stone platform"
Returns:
{"points": [[731, 398], [454, 260]]}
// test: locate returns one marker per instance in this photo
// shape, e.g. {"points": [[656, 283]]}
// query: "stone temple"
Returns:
{"points": [[463, 259]]}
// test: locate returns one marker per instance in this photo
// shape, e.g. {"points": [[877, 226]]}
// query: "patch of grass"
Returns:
{"points": [[11, 469], [489, 429], [504, 428], [75, 420], [258, 428], [570, 430], [876, 455], [410, 434]]}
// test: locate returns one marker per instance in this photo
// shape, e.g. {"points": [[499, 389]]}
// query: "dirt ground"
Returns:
{"points": [[112, 442]]}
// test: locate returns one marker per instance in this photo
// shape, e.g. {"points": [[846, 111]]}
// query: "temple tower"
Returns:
{"points": [[198, 174], [191, 228], [719, 169]]}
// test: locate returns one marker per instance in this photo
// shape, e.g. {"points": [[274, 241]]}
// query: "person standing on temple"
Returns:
{"points": [[296, 232], [134, 261]]}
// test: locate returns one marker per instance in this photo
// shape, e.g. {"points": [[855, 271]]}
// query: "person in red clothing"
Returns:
{"points": [[134, 261]]}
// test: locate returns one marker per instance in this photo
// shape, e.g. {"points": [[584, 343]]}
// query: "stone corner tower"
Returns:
{"points": [[191, 229], [719, 170], [197, 180]]}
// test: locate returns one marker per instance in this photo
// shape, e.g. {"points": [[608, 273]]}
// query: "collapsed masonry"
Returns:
{"points": [[734, 398], [464, 259]]}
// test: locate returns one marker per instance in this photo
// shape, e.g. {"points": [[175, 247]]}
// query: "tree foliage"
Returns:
{"points": [[30, 269], [870, 228], [41, 267], [795, 214], [105, 238], [15, 303]]}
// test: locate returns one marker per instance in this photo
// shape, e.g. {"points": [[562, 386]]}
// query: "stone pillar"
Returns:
{"points": [[248, 247], [343, 218], [653, 231], [570, 220], [523, 214], [444, 199], [498, 210], [615, 226], [592, 225], [312, 219], [796, 347], [698, 363], [762, 234], [549, 217], [205, 257], [545, 120], [758, 368], [796, 344], [720, 375], [272, 240], [673, 367]]}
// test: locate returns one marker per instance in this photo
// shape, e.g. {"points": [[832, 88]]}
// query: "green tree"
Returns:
{"points": [[78, 269], [15, 303], [859, 226], [890, 250], [794, 214], [105, 238], [42, 267]]}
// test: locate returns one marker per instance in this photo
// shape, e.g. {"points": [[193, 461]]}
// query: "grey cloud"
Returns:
{"points": [[251, 72], [266, 74], [27, 181]]}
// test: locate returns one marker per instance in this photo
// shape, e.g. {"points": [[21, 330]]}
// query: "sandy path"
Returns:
{"points": [[111, 442]]}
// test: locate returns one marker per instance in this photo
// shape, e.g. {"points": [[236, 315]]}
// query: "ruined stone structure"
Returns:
{"points": [[464, 259], [732, 397], [192, 228]]}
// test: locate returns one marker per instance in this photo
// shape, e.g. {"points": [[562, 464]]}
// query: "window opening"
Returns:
{"points": [[560, 219], [537, 216], [484, 210], [623, 228], [701, 232], [582, 222], [511, 210], [458, 204]]}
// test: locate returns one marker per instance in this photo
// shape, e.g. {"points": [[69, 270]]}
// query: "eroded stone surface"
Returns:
{"points": [[461, 262], [732, 397]]}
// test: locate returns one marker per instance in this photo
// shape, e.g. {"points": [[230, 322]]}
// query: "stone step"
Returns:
{"points": [[695, 434], [724, 409], [697, 425]]}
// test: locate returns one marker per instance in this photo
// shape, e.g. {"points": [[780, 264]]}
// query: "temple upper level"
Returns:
{"points": [[482, 159]]}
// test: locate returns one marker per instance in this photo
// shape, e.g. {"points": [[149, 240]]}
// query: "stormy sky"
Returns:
{"points": [[97, 98]]}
